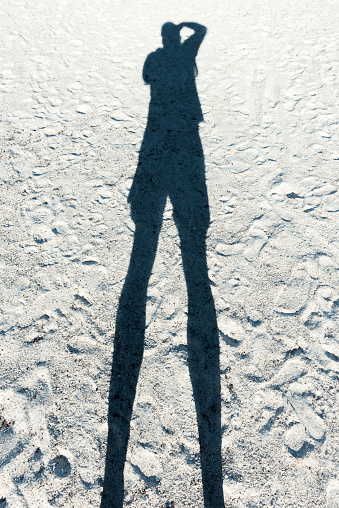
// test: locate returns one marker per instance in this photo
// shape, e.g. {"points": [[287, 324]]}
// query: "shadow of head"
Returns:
{"points": [[170, 34]]}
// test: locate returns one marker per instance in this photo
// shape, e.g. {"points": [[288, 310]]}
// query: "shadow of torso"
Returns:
{"points": [[171, 160], [174, 102]]}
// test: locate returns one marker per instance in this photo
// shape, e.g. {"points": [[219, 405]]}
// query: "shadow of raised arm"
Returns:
{"points": [[192, 44]]}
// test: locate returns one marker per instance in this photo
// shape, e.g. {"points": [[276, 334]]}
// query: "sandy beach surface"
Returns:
{"points": [[74, 109]]}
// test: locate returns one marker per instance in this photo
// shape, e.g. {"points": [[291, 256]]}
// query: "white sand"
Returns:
{"points": [[74, 109]]}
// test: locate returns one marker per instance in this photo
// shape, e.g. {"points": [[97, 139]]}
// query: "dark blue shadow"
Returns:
{"points": [[171, 163]]}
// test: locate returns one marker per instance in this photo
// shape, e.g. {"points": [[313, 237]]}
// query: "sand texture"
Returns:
{"points": [[74, 109]]}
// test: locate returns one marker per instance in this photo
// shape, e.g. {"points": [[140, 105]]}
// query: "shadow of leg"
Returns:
{"points": [[127, 358], [203, 355]]}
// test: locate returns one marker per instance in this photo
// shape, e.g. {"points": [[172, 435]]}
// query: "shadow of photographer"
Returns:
{"points": [[171, 163]]}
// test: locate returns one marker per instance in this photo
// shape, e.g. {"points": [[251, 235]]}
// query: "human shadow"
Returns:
{"points": [[171, 163]]}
